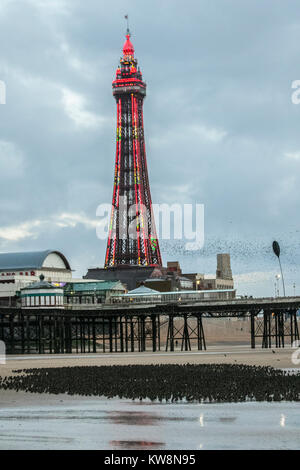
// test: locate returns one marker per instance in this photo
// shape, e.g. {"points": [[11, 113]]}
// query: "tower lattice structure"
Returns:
{"points": [[132, 238]]}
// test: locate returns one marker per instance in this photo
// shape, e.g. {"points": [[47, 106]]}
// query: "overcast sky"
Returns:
{"points": [[221, 128]]}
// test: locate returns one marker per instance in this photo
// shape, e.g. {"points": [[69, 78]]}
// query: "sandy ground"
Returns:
{"points": [[12, 399], [234, 354]]}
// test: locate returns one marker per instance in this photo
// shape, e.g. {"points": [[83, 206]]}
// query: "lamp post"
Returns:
{"points": [[277, 277], [276, 249]]}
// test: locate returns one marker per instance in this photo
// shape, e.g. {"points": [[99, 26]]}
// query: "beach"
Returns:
{"points": [[221, 354], [60, 421]]}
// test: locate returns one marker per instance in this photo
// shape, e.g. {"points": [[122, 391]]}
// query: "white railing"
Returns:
{"points": [[173, 297]]}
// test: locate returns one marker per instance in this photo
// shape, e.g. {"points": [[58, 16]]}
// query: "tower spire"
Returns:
{"points": [[127, 30], [128, 49]]}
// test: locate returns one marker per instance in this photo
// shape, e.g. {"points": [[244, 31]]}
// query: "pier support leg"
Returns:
{"points": [[252, 319], [200, 334], [143, 334], [110, 332], [280, 329], [121, 335], [267, 340], [126, 333], [185, 337], [131, 334], [94, 335], [170, 334], [154, 332], [294, 331]]}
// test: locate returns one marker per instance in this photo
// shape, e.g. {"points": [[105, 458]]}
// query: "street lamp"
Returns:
{"points": [[276, 249]]}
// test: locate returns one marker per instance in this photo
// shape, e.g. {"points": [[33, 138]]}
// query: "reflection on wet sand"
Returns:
{"points": [[136, 418], [227, 419], [139, 445], [139, 418]]}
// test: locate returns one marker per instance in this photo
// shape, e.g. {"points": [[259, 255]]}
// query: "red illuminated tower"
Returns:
{"points": [[131, 202]]}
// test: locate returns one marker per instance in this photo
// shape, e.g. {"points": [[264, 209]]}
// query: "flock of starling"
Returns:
{"points": [[167, 382]]}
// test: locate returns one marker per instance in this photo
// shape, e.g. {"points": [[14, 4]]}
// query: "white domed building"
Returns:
{"points": [[18, 270]]}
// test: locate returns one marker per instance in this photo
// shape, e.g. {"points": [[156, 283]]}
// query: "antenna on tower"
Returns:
{"points": [[127, 31]]}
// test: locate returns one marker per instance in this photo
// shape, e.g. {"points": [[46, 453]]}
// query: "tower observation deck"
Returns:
{"points": [[132, 238]]}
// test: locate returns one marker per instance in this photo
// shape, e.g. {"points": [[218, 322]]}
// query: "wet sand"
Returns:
{"points": [[125, 425], [12, 399]]}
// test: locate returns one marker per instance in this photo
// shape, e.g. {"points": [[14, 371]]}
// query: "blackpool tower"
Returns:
{"points": [[132, 238]]}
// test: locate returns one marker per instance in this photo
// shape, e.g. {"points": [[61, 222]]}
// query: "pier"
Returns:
{"points": [[131, 328]]}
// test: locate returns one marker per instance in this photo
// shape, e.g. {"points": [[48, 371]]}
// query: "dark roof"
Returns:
{"points": [[27, 260]]}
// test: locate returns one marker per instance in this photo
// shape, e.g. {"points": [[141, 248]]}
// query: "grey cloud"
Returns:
{"points": [[219, 122]]}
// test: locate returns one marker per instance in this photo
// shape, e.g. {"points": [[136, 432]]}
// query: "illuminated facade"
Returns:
{"points": [[132, 239]]}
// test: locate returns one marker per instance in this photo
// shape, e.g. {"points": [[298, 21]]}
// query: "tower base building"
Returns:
{"points": [[131, 276]]}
